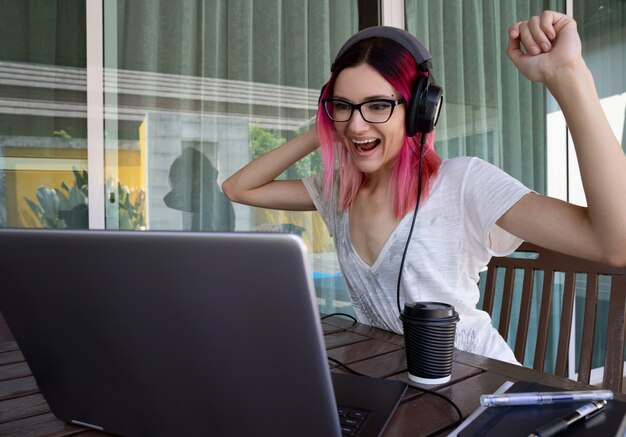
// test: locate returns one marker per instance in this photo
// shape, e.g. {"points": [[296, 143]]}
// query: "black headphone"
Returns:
{"points": [[425, 105]]}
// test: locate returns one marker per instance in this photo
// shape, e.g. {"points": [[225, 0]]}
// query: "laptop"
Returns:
{"points": [[170, 333]]}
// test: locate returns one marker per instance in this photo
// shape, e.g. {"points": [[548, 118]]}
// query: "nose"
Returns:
{"points": [[357, 123]]}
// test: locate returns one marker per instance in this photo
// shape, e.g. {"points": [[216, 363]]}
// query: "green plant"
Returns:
{"points": [[67, 207], [131, 204], [263, 140], [62, 133]]}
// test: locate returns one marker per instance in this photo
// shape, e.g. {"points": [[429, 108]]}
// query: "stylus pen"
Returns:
{"points": [[538, 398], [556, 426]]}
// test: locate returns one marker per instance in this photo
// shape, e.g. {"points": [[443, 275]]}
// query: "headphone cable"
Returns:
{"points": [[350, 316], [417, 203]]}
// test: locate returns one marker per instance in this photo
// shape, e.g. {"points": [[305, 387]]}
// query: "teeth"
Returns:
{"points": [[359, 142], [366, 145]]}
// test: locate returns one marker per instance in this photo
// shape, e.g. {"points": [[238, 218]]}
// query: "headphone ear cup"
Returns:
{"points": [[412, 114], [424, 107], [434, 100]]}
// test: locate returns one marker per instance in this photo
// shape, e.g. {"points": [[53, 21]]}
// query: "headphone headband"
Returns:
{"points": [[421, 55]]}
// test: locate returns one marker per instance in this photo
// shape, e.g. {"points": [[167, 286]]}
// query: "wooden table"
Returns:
{"points": [[371, 351]]}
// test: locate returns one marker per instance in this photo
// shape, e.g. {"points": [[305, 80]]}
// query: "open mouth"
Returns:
{"points": [[366, 145]]}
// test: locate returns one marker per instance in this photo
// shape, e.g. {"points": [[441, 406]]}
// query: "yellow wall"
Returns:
{"points": [[30, 168], [130, 170], [315, 235]]}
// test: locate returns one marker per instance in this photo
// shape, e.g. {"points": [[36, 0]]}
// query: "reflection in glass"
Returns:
{"points": [[43, 156], [195, 189], [195, 89]]}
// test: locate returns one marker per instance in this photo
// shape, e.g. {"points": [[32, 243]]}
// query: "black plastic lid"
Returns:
{"points": [[429, 310]]}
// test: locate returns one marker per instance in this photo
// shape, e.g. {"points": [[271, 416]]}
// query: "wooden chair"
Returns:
{"points": [[550, 262]]}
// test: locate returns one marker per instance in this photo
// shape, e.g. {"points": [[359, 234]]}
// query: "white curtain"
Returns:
{"points": [[489, 111]]}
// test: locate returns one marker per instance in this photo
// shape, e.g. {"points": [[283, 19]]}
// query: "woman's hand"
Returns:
{"points": [[543, 46]]}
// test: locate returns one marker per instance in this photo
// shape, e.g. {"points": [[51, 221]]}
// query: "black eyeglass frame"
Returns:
{"points": [[358, 106]]}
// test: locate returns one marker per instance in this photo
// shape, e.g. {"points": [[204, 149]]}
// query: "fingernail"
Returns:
{"points": [[545, 46]]}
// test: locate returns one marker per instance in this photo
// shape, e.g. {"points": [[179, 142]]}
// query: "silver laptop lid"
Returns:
{"points": [[166, 333]]}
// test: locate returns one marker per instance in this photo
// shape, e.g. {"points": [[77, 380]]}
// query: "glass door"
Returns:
{"points": [[43, 114], [194, 90]]}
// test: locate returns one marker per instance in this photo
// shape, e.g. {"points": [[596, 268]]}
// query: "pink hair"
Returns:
{"points": [[398, 67]]}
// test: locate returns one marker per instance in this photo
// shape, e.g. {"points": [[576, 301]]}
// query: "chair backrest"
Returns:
{"points": [[549, 263]]}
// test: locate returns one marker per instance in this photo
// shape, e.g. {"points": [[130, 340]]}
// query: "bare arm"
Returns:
{"points": [[598, 231], [255, 183]]}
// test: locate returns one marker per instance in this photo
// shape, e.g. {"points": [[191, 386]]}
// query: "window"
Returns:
{"points": [[195, 90], [43, 130]]}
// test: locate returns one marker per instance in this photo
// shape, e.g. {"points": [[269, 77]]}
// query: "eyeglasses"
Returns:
{"points": [[372, 111]]}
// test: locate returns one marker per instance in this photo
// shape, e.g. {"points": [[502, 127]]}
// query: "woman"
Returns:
{"points": [[468, 209]]}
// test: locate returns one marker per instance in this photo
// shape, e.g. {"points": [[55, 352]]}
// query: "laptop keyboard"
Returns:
{"points": [[351, 420]]}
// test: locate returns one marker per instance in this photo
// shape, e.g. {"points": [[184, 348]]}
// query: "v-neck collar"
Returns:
{"points": [[383, 250], [434, 185]]}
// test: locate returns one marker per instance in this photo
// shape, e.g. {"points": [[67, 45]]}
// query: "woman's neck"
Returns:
{"points": [[378, 181]]}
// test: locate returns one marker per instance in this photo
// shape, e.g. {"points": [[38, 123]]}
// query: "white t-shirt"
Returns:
{"points": [[454, 237]]}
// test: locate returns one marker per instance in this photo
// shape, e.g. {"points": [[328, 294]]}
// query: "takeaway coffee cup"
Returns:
{"points": [[429, 329]]}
